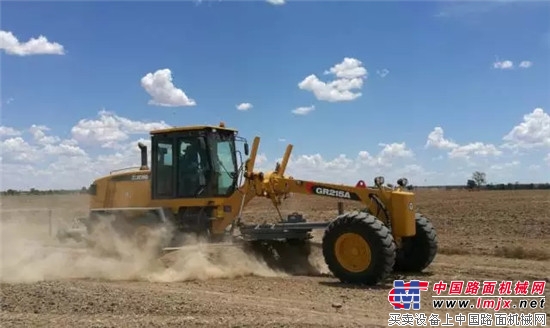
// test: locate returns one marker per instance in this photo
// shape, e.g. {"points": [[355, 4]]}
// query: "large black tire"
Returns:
{"points": [[371, 237], [418, 252]]}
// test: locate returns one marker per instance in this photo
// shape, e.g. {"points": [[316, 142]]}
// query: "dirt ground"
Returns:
{"points": [[486, 235]]}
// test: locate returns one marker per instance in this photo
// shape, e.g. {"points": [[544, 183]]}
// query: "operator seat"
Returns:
{"points": [[191, 170]]}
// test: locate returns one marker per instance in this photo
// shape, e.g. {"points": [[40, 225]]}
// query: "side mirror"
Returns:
{"points": [[246, 149]]}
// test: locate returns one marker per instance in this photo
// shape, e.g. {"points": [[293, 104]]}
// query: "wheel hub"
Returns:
{"points": [[353, 252]]}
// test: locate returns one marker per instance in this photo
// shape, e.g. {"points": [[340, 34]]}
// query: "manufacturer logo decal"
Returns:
{"points": [[331, 192], [139, 177], [411, 206]]}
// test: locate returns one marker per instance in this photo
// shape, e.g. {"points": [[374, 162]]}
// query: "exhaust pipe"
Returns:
{"points": [[143, 156]]}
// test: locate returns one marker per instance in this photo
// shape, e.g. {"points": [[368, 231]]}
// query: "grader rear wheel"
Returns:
{"points": [[359, 249], [417, 252]]}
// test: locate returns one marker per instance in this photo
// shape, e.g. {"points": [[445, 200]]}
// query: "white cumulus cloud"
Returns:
{"points": [[39, 135], [349, 74], [533, 132], [393, 161], [38, 149], [508, 64], [244, 106], [6, 131], [164, 93], [34, 46], [474, 148], [276, 2], [395, 150], [525, 64], [505, 166], [303, 110], [436, 139], [45, 161], [382, 72], [35, 156], [17, 150], [505, 64], [109, 129]]}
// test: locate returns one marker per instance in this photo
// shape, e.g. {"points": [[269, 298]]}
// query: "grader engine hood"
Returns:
{"points": [[128, 189]]}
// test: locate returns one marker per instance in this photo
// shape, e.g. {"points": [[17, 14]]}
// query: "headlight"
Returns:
{"points": [[378, 181], [402, 182]]}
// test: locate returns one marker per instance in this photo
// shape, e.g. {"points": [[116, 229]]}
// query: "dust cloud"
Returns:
{"points": [[29, 255]]}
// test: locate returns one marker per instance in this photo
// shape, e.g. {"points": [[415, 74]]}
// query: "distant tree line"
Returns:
{"points": [[517, 186], [478, 182], [34, 191], [491, 186]]}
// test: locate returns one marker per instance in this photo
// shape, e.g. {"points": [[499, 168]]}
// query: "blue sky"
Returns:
{"points": [[75, 103]]}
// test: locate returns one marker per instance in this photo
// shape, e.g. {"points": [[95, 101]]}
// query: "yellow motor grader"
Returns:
{"points": [[198, 184]]}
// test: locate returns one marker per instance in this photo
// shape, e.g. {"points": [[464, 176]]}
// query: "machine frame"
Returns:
{"points": [[391, 234]]}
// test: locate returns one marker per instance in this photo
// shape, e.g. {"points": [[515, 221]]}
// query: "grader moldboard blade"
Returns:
{"points": [[284, 246]]}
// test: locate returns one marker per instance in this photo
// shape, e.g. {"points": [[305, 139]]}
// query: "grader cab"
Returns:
{"points": [[199, 184]]}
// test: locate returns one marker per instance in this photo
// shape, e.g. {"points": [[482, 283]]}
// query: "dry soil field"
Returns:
{"points": [[483, 235]]}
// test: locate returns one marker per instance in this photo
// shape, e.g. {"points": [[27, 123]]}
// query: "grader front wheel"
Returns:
{"points": [[359, 249]]}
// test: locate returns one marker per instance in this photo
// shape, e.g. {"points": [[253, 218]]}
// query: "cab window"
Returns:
{"points": [[164, 169]]}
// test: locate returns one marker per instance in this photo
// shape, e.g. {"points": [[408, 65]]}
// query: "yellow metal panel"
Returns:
{"points": [[122, 190], [132, 194], [402, 211]]}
